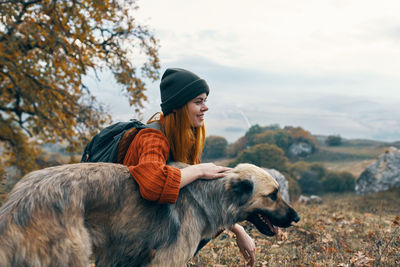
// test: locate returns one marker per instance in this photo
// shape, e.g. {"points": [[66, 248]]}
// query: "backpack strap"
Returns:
{"points": [[125, 142], [157, 126], [128, 137]]}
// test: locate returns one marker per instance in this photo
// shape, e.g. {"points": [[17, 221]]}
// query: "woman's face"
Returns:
{"points": [[196, 108]]}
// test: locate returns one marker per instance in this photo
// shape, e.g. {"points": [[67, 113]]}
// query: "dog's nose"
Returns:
{"points": [[295, 216]]}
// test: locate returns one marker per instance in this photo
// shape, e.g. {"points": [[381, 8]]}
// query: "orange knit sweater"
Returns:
{"points": [[146, 159]]}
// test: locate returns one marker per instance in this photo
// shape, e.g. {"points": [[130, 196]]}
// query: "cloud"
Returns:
{"points": [[330, 67]]}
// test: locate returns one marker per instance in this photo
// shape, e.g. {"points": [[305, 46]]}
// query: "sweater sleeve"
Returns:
{"points": [[146, 159]]}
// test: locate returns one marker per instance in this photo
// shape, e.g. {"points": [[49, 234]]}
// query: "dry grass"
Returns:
{"points": [[367, 151], [353, 167], [346, 230]]}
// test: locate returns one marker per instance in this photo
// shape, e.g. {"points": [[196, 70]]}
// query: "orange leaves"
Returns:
{"points": [[396, 221], [361, 260], [45, 50], [332, 234]]}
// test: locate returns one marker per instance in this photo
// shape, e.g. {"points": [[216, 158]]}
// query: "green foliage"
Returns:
{"points": [[319, 169], [263, 155], [251, 132], [215, 147], [283, 138], [297, 168], [310, 183], [235, 148], [334, 140], [316, 179], [275, 137], [339, 182], [309, 176]]}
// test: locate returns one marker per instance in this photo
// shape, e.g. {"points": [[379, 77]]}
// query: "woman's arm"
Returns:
{"points": [[201, 171], [146, 159], [245, 243]]}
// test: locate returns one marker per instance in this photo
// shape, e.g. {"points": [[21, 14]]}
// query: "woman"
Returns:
{"points": [[182, 136]]}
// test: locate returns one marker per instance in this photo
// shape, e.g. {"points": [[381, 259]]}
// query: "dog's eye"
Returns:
{"points": [[273, 196]]}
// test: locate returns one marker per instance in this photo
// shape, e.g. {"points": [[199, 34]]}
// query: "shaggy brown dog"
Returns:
{"points": [[61, 216]]}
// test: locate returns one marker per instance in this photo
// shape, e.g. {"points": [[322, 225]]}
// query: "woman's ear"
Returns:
{"points": [[241, 189]]}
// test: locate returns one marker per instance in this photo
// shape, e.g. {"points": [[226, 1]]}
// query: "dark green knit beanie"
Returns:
{"points": [[179, 86]]}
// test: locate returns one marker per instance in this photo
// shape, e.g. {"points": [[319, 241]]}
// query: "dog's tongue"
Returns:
{"points": [[273, 229]]}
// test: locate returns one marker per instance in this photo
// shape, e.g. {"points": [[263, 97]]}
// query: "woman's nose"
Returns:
{"points": [[204, 108]]}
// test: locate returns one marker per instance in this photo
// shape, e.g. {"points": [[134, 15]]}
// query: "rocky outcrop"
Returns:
{"points": [[382, 174], [300, 149], [313, 199], [283, 183]]}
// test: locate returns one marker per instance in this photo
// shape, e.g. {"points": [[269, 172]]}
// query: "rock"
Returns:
{"points": [[382, 174], [300, 149], [303, 199], [283, 183], [313, 199]]}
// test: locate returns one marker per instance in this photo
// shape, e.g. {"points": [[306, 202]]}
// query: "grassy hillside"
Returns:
{"points": [[346, 230], [353, 155]]}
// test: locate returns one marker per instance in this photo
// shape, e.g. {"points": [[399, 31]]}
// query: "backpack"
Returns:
{"points": [[112, 143]]}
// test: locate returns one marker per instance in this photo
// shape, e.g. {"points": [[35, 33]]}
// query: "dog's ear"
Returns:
{"points": [[242, 190]]}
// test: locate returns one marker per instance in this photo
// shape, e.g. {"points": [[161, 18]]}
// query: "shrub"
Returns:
{"points": [[274, 137], [263, 155], [339, 182], [319, 169], [235, 148], [310, 183], [333, 140], [215, 147], [297, 168], [251, 132], [294, 188]]}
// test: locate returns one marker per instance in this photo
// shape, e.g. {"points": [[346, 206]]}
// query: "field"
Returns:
{"points": [[352, 155], [346, 230]]}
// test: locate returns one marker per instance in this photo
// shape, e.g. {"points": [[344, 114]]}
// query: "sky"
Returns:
{"points": [[330, 67]]}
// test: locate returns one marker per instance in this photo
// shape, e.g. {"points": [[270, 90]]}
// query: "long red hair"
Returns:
{"points": [[186, 142]]}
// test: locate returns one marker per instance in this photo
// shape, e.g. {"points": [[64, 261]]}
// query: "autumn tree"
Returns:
{"points": [[237, 146], [46, 48], [283, 138]]}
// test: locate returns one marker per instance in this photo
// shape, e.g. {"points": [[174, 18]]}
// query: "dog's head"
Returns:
{"points": [[259, 194]]}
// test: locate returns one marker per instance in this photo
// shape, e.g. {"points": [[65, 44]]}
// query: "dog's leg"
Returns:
{"points": [[180, 252], [74, 250], [44, 243], [173, 256]]}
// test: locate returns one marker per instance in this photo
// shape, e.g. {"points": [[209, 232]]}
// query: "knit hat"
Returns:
{"points": [[179, 86]]}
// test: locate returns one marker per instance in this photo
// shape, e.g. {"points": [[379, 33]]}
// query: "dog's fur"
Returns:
{"points": [[63, 215]]}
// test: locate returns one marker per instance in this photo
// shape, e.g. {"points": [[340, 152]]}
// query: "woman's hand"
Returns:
{"points": [[245, 243], [202, 171], [210, 170]]}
